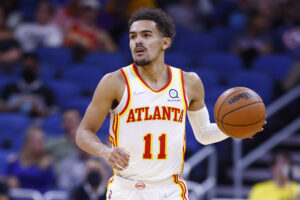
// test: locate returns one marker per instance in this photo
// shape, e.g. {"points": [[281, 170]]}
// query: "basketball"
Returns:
{"points": [[240, 112]]}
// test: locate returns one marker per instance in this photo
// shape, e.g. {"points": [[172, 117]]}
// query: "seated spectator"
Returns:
{"points": [[62, 147], [280, 186], [84, 36], [64, 17], [94, 185], [9, 47], [70, 172], [33, 168], [40, 33], [255, 42], [29, 95]]}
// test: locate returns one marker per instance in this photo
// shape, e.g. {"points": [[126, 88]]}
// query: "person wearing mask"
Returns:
{"points": [[29, 95], [280, 186], [94, 185]]}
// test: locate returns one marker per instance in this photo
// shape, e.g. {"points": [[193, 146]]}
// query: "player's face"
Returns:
{"points": [[146, 42]]}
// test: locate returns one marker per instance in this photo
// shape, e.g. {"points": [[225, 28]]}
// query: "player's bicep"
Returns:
{"points": [[100, 105], [195, 91]]}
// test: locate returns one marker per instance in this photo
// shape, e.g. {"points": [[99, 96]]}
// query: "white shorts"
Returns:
{"points": [[173, 188]]}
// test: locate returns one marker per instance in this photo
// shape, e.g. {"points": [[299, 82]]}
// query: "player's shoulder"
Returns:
{"points": [[191, 79], [115, 77]]}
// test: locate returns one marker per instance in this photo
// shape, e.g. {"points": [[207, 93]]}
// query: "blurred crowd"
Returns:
{"points": [[251, 28]]}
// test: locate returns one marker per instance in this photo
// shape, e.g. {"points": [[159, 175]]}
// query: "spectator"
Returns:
{"points": [[94, 185], [33, 169], [29, 95], [62, 147], [186, 15], [4, 191], [255, 42], [40, 33], [9, 47], [84, 36], [280, 186], [64, 17]]}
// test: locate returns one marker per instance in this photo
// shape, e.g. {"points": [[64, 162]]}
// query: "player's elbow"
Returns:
{"points": [[78, 138], [203, 140]]}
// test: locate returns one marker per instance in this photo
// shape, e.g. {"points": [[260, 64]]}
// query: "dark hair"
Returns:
{"points": [[164, 22], [277, 153]]}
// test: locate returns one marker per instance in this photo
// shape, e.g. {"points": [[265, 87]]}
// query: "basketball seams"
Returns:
{"points": [[243, 124], [244, 106]]}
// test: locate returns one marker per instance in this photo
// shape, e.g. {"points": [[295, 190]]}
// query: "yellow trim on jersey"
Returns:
{"points": [[183, 151], [145, 86], [181, 89], [181, 186], [117, 125], [108, 185]]}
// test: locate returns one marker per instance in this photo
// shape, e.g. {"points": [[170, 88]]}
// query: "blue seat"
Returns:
{"points": [[64, 90], [59, 57], [209, 77], [224, 37], [212, 94], [107, 61], [197, 45], [85, 76], [276, 65], [12, 128], [53, 125], [5, 80], [225, 64], [176, 60], [259, 82]]}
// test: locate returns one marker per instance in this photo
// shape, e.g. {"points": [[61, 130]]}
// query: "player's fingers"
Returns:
{"points": [[117, 159], [123, 153], [114, 163], [123, 156]]}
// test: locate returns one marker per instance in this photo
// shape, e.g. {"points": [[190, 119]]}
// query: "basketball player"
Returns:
{"points": [[147, 101]]}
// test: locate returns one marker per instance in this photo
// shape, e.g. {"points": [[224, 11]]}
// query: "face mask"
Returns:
{"points": [[94, 179], [285, 171], [28, 74]]}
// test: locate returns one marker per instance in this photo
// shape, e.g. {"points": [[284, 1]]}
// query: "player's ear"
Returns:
{"points": [[166, 43]]}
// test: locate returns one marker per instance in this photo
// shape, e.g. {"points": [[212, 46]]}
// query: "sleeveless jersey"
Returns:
{"points": [[150, 125]]}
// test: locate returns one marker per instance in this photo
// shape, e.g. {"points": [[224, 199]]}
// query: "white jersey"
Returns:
{"points": [[150, 125]]}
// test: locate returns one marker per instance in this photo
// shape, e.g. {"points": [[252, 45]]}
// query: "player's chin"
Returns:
{"points": [[142, 61]]}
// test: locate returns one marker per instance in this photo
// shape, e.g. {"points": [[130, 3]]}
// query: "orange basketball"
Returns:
{"points": [[240, 112]]}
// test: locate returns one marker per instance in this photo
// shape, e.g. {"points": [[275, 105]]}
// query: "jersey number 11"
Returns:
{"points": [[162, 147]]}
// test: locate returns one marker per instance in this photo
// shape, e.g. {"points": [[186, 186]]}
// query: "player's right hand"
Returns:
{"points": [[117, 158]]}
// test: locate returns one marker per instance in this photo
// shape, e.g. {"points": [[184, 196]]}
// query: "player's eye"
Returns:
{"points": [[147, 35], [132, 37]]}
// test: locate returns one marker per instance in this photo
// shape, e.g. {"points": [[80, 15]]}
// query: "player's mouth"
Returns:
{"points": [[139, 50]]}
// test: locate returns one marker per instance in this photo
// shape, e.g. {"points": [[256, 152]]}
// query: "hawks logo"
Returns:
{"points": [[140, 185]]}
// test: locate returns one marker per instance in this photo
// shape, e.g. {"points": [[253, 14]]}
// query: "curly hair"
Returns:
{"points": [[164, 23]]}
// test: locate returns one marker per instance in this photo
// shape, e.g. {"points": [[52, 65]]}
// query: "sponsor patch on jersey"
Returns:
{"points": [[173, 94]]}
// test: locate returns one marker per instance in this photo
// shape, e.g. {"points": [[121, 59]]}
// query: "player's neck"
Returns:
{"points": [[155, 73]]}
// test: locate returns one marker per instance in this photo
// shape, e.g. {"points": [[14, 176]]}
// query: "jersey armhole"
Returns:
{"points": [[185, 98], [124, 103]]}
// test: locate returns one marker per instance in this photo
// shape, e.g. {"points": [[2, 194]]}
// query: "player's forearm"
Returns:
{"points": [[204, 131], [89, 142]]}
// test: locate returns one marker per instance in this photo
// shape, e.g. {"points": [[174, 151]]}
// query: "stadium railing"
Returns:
{"points": [[199, 190], [241, 163]]}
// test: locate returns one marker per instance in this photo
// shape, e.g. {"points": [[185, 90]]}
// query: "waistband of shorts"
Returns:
{"points": [[140, 184]]}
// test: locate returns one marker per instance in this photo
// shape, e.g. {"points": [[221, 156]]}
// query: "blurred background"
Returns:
{"points": [[53, 53]]}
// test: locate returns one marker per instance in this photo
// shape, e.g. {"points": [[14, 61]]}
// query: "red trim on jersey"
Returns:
{"points": [[128, 92], [168, 83], [182, 84], [181, 185]]}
